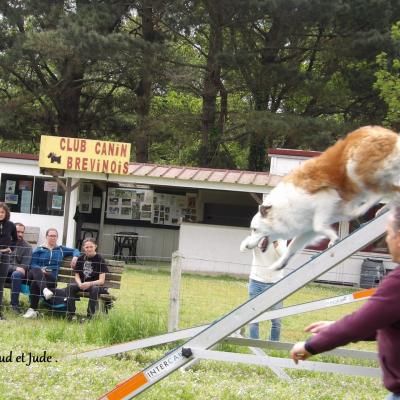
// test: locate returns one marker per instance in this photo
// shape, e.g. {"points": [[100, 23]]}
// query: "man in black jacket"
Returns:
{"points": [[19, 264]]}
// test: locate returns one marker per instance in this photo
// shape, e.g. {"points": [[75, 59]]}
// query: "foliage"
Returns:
{"points": [[388, 79], [197, 82]]}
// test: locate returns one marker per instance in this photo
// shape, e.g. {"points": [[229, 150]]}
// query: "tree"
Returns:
{"points": [[388, 79], [218, 82], [302, 59], [49, 51], [70, 68]]}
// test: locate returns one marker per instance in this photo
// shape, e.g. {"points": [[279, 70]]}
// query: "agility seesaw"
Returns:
{"points": [[197, 346]]}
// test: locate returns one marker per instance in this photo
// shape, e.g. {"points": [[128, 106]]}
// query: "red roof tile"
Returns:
{"points": [[232, 176]]}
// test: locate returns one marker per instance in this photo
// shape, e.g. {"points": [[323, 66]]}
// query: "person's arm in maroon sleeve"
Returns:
{"points": [[379, 311]]}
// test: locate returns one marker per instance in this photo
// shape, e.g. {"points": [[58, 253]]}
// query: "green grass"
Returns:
{"points": [[141, 311]]}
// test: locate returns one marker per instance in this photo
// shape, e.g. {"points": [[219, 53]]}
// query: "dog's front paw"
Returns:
{"points": [[250, 242], [333, 242], [243, 245]]}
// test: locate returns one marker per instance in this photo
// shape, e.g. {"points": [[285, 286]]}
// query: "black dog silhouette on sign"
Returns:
{"points": [[54, 158]]}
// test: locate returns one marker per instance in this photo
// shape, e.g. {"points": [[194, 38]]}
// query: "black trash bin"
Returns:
{"points": [[372, 272]]}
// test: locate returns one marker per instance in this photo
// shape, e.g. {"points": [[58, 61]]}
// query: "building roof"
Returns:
{"points": [[211, 178], [293, 153], [180, 176], [19, 156]]}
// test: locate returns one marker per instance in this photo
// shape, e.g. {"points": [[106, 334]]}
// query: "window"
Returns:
{"points": [[228, 214], [16, 191], [48, 197], [32, 195]]}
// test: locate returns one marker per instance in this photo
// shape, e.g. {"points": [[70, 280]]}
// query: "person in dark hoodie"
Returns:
{"points": [[8, 238], [378, 319], [43, 272]]}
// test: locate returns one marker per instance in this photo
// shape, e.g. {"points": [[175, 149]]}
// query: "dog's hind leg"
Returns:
{"points": [[329, 233], [321, 226], [324, 216], [295, 245], [363, 208]]}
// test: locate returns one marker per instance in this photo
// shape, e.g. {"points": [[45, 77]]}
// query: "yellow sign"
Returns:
{"points": [[85, 155]]}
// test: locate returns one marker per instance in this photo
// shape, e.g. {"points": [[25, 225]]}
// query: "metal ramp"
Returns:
{"points": [[248, 311]]}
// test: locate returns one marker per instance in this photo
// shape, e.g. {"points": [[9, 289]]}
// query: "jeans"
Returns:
{"points": [[4, 265], [393, 396], [16, 279], [94, 294], [37, 282], [255, 288]]}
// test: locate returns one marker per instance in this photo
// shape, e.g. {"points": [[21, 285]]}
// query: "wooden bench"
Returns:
{"points": [[113, 279]]}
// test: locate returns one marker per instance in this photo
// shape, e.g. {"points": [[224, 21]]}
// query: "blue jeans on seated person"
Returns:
{"points": [[4, 265], [16, 281], [255, 288], [393, 396]]}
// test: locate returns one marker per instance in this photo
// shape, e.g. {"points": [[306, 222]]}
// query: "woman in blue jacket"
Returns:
{"points": [[45, 264]]}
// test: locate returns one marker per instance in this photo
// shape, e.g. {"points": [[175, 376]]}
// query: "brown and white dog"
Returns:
{"points": [[340, 184]]}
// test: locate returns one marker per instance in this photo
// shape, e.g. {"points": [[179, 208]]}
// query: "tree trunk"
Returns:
{"points": [[257, 160], [67, 97], [257, 152], [210, 127], [143, 92]]}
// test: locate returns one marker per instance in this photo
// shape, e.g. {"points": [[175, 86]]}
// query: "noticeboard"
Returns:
{"points": [[147, 205]]}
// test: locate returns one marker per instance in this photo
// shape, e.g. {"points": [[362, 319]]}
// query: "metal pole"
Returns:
{"points": [[102, 213], [66, 210]]}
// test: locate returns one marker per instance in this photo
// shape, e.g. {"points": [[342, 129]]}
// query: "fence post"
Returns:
{"points": [[174, 294]]}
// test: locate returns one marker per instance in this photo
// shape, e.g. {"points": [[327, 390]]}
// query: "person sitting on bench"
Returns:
{"points": [[45, 264], [90, 276], [20, 260]]}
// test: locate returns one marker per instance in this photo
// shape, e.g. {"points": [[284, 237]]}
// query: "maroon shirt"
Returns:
{"points": [[378, 318]]}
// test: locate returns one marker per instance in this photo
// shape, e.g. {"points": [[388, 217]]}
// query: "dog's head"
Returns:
{"points": [[260, 230], [50, 155]]}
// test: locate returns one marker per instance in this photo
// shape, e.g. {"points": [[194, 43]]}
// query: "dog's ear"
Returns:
{"points": [[264, 210]]}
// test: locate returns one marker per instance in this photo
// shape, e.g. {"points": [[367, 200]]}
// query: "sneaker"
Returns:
{"points": [[72, 318], [47, 293], [31, 313]]}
